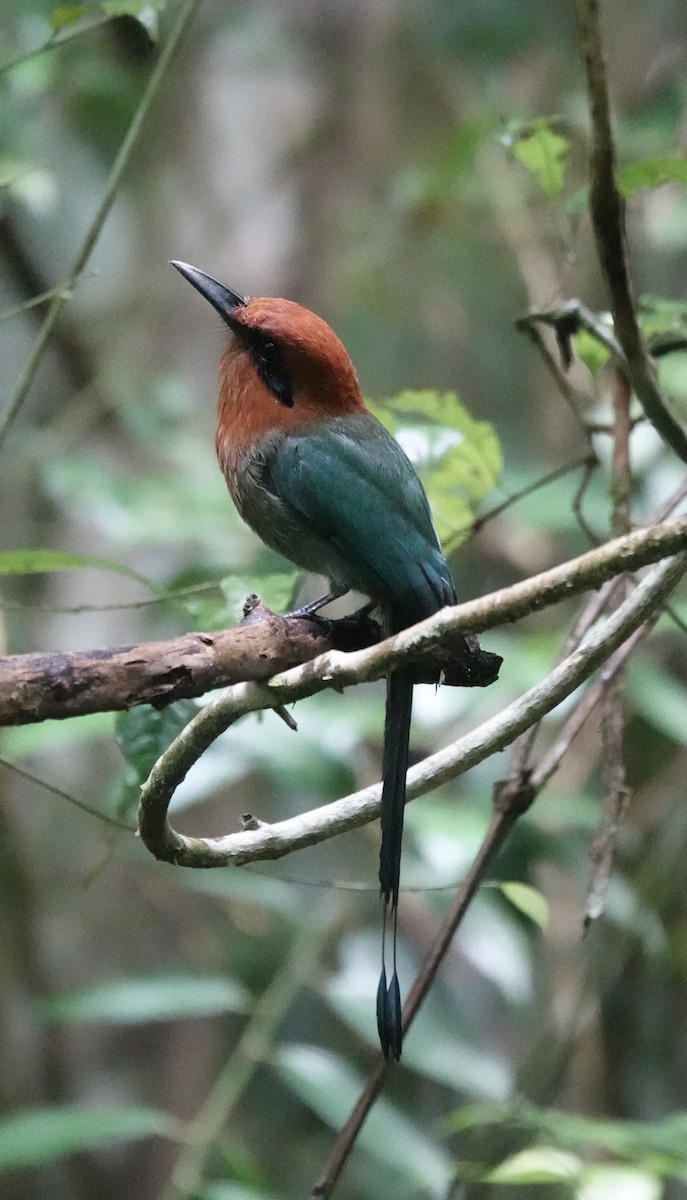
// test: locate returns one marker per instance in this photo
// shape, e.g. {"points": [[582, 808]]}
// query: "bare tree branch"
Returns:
{"points": [[608, 218], [616, 793], [34, 687], [336, 670], [509, 805], [578, 401], [38, 686], [501, 823]]}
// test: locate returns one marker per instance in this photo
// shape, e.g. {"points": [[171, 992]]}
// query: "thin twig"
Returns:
{"points": [[577, 505], [121, 161], [548, 765], [60, 289], [55, 791], [608, 218], [586, 460], [519, 768], [73, 610], [621, 471], [520, 771], [569, 318], [59, 39], [616, 794], [579, 402], [501, 823]]}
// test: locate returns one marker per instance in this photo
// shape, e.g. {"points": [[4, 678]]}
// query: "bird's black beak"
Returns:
{"points": [[219, 295]]}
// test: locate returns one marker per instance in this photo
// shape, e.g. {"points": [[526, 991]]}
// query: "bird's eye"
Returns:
{"points": [[268, 362]]}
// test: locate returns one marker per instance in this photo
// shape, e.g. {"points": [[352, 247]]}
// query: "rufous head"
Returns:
{"points": [[284, 365]]}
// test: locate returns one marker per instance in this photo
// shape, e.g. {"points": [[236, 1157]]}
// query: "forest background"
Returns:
{"points": [[416, 173]]}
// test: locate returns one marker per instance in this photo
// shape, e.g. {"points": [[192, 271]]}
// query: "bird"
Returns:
{"points": [[320, 480]]}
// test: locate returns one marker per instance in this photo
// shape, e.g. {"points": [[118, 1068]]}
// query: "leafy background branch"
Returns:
{"points": [[359, 161]]}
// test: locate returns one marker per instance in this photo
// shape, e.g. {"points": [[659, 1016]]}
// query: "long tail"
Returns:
{"points": [[399, 703]]}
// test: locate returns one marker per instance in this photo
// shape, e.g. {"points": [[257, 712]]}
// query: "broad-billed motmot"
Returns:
{"points": [[321, 481]]}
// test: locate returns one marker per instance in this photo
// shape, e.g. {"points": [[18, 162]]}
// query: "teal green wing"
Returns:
{"points": [[352, 485]]}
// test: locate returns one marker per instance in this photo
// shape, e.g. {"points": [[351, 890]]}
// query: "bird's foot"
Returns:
{"points": [[313, 606]]}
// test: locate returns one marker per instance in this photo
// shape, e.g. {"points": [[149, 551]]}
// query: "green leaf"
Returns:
{"points": [[478, 1116], [423, 190], [673, 376], [233, 1191], [204, 608], [32, 185], [44, 562], [660, 697], [661, 317], [20, 741], [67, 14], [543, 151], [590, 350], [275, 590], [128, 8], [457, 457], [651, 173], [658, 1145], [41, 1135], [538, 1164], [528, 900], [146, 12], [144, 733], [604, 1181], [457, 482], [330, 1088], [136, 1001]]}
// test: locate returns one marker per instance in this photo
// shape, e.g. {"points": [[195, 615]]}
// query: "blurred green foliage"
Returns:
{"points": [[398, 169], [458, 458], [542, 150]]}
